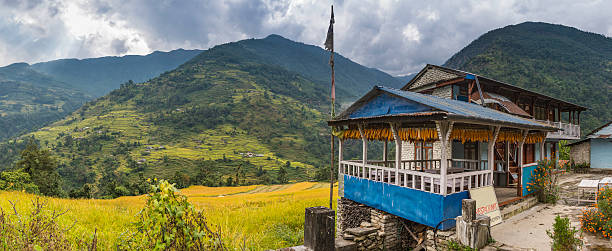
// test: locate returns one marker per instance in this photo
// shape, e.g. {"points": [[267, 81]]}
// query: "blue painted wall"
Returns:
{"points": [[601, 153], [418, 206], [385, 104], [527, 177]]}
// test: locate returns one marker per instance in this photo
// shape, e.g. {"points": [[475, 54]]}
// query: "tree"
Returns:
{"points": [[282, 175], [42, 168]]}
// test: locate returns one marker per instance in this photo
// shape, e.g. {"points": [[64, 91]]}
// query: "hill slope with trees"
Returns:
{"points": [[556, 60], [227, 117]]}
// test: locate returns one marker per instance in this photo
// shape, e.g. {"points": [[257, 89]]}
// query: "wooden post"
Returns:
{"points": [[444, 131], [364, 150], [398, 150], [319, 226], [385, 152], [491, 150], [507, 158], [519, 189], [542, 153], [468, 209], [340, 169]]}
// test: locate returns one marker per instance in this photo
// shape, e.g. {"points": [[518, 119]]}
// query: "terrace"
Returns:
{"points": [[425, 191]]}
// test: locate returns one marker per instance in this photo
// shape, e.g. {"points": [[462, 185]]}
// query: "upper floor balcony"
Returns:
{"points": [[566, 131]]}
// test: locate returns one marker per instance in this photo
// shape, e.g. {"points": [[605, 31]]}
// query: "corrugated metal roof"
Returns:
{"points": [[603, 132], [460, 108], [502, 101]]}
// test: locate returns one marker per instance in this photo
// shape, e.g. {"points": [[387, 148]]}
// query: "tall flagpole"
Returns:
{"points": [[333, 114], [329, 44]]}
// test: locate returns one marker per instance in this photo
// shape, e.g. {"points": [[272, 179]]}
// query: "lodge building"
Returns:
{"points": [[452, 131]]}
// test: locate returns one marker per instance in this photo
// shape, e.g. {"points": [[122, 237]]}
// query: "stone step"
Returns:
{"points": [[514, 209], [345, 245], [361, 231]]}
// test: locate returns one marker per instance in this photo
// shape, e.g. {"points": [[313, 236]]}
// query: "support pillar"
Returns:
{"points": [[364, 151], [519, 189], [340, 169], [398, 150], [491, 151], [444, 130], [385, 151], [542, 148]]}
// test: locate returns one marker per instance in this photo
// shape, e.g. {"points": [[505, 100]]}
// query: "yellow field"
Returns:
{"points": [[262, 217]]}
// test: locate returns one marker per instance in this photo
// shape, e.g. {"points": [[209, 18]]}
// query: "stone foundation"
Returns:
{"points": [[373, 229]]}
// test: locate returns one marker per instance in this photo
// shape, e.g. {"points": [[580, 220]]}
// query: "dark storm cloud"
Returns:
{"points": [[396, 36]]}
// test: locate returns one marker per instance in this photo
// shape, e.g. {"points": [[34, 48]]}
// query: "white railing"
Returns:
{"points": [[408, 164], [418, 180], [567, 130]]}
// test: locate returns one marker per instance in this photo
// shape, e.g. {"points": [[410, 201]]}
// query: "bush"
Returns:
{"points": [[564, 236], [37, 230], [17, 181], [169, 222], [545, 182], [598, 219]]}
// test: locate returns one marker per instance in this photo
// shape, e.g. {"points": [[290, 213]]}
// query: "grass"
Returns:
{"points": [[261, 217]]}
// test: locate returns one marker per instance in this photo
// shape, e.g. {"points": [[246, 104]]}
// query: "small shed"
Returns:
{"points": [[595, 149]]}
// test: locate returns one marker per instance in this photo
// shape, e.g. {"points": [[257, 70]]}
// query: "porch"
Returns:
{"points": [[425, 191]]}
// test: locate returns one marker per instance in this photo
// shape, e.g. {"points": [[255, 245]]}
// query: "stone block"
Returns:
{"points": [[319, 228], [361, 231]]}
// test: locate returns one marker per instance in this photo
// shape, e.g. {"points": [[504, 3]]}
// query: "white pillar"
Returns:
{"points": [[542, 153], [384, 157], [364, 142], [340, 170], [398, 150], [491, 151], [444, 130], [520, 163]]}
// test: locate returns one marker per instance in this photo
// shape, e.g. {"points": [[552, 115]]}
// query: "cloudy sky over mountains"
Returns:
{"points": [[398, 37]]}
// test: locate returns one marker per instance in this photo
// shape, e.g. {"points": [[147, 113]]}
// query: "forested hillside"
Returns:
{"points": [[32, 96], [99, 76], [226, 117], [30, 100], [556, 60], [352, 79]]}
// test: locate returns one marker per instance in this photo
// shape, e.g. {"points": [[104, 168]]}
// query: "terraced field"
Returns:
{"points": [[260, 217]]}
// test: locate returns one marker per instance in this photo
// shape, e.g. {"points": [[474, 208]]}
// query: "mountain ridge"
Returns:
{"points": [[556, 60]]}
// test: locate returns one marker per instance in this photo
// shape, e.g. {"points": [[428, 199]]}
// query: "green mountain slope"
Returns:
{"points": [[352, 79], [98, 76], [32, 96], [30, 100], [556, 60], [194, 125]]}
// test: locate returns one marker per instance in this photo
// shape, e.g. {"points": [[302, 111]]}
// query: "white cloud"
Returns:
{"points": [[396, 36], [411, 33]]}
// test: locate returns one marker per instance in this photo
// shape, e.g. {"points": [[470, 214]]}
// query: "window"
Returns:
{"points": [[423, 150]]}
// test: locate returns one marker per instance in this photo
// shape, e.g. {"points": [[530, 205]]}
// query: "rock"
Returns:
{"points": [[358, 239], [366, 224], [348, 237], [361, 231]]}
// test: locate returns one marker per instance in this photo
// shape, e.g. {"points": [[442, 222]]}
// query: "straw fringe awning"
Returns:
{"points": [[431, 134]]}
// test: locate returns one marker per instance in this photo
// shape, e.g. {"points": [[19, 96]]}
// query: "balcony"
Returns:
{"points": [[567, 130]]}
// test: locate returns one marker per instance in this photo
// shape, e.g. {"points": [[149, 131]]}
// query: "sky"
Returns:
{"points": [[398, 37]]}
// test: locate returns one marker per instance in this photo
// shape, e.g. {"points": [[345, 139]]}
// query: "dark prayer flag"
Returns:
{"points": [[329, 41]]}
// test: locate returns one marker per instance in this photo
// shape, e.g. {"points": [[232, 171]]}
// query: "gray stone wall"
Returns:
{"points": [[350, 214], [432, 75], [372, 229], [581, 153], [443, 92]]}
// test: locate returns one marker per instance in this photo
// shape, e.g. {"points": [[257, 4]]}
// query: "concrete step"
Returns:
{"points": [[518, 207], [345, 245]]}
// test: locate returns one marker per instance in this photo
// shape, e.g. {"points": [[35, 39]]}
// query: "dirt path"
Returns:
{"points": [[528, 229]]}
